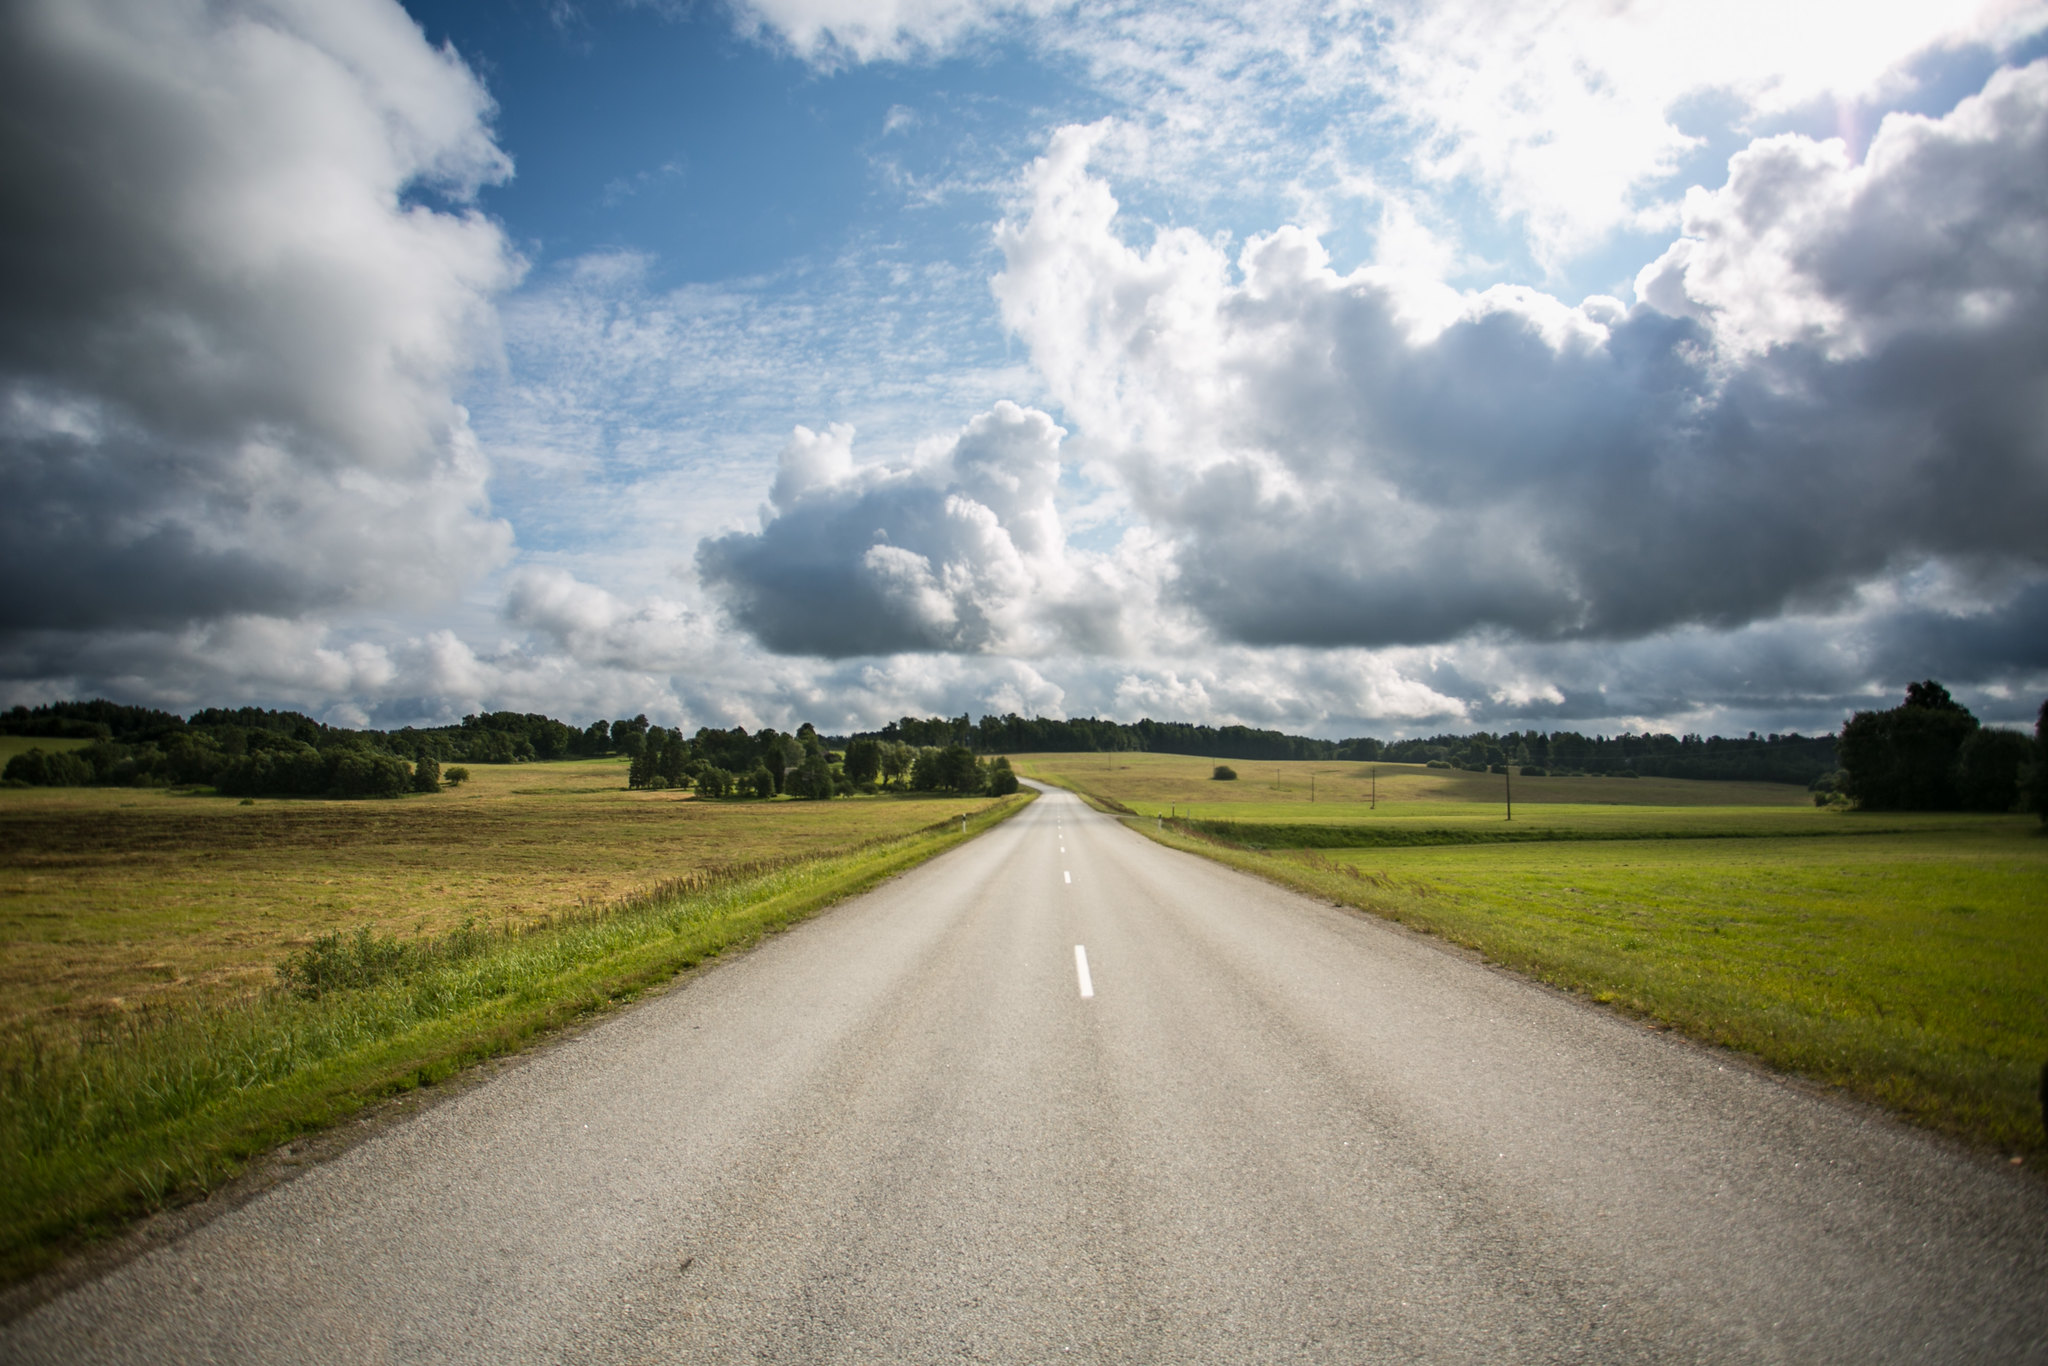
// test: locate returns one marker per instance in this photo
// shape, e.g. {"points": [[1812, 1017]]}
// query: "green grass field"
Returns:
{"points": [[1902, 957], [149, 1046]]}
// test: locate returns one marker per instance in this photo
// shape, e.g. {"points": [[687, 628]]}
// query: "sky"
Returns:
{"points": [[1345, 368]]}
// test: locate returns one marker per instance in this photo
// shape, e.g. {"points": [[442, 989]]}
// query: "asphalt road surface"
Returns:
{"points": [[1064, 1095]]}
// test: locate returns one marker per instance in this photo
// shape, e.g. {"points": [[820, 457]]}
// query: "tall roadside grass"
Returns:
{"points": [[157, 1107]]}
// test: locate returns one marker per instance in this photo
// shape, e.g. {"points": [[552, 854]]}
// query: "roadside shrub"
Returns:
{"points": [[339, 962], [1223, 773], [1001, 779]]}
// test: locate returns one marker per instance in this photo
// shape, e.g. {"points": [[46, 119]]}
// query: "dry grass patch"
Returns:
{"points": [[114, 897]]}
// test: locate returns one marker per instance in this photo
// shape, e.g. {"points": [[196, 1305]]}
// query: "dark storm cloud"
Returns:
{"points": [[226, 348], [1844, 374]]}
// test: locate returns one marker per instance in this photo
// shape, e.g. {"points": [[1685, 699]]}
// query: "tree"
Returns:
{"points": [[714, 781], [864, 761], [812, 778], [426, 774], [926, 774], [1988, 768], [958, 771], [39, 769], [455, 777], [2040, 783], [674, 753], [1905, 759], [1001, 779], [1224, 773], [629, 737], [897, 759], [761, 783]]}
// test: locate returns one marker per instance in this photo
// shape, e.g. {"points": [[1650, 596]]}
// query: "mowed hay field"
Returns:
{"points": [[1902, 957], [114, 898]]}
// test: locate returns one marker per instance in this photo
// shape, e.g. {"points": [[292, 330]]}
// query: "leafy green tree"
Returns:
{"points": [[958, 770], [1001, 779], [812, 779], [864, 761], [1223, 773], [629, 737], [761, 783], [38, 768], [2040, 783], [1905, 759], [673, 756], [1988, 768], [927, 772], [714, 781], [426, 774], [897, 759], [357, 772], [455, 777]]}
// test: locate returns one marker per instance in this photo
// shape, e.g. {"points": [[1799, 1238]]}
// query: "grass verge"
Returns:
{"points": [[155, 1108]]}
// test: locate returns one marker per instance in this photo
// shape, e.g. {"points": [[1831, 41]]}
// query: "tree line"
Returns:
{"points": [[1791, 758], [252, 752], [1929, 753]]}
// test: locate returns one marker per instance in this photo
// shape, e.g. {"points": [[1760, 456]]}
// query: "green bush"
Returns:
{"points": [[1223, 773]]}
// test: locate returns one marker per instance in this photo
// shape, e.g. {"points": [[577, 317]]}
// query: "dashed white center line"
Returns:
{"points": [[1081, 971], [1068, 876]]}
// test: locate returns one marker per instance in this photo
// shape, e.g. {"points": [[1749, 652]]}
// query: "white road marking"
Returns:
{"points": [[1081, 971], [1068, 876]]}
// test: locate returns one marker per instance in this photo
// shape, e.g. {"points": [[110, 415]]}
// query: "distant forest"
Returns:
{"points": [[1794, 758], [1927, 754], [250, 752]]}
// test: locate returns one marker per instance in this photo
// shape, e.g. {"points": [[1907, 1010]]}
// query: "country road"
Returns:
{"points": [[1065, 1095]]}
